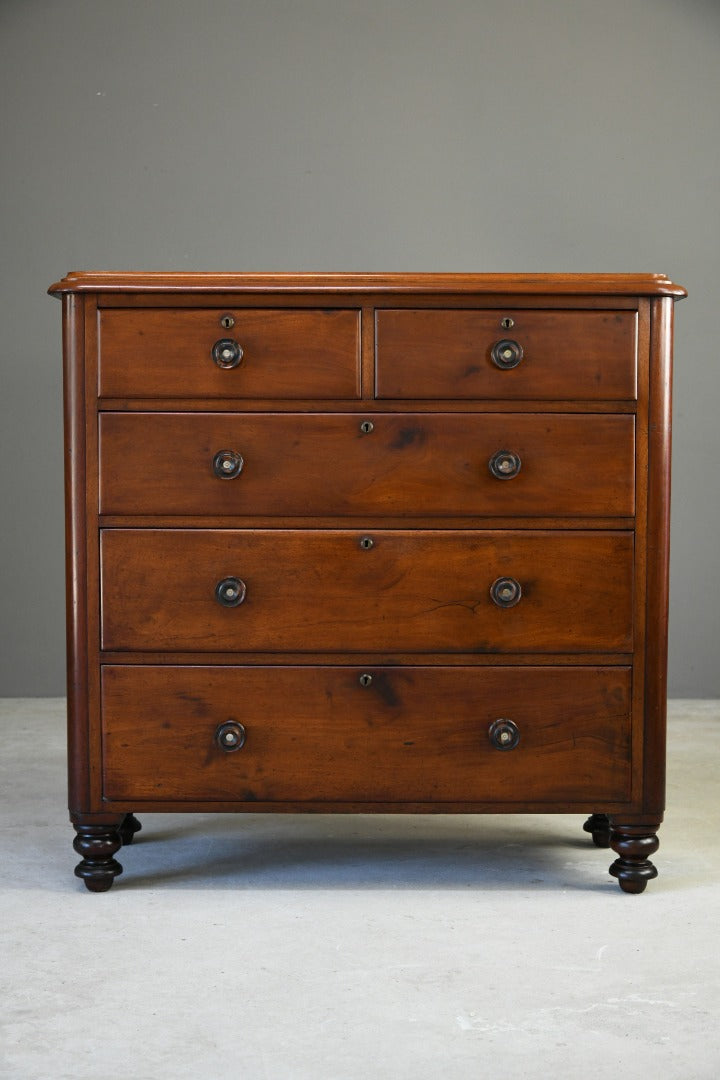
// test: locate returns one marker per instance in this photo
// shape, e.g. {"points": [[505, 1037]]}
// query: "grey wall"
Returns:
{"points": [[493, 135]]}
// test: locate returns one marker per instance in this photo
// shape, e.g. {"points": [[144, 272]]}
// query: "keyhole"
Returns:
{"points": [[507, 323], [365, 680], [227, 321], [366, 542], [366, 427]]}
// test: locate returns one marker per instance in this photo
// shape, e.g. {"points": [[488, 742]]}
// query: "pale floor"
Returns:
{"points": [[346, 948]]}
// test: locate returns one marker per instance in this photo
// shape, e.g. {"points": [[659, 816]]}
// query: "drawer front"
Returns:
{"points": [[412, 734], [341, 591], [409, 464], [562, 355], [285, 354]]}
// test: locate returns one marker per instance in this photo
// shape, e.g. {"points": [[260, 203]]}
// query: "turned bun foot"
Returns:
{"points": [[128, 827], [633, 844], [598, 825], [97, 882], [97, 844], [632, 884]]}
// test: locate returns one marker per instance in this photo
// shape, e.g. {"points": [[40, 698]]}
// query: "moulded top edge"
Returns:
{"points": [[481, 284]]}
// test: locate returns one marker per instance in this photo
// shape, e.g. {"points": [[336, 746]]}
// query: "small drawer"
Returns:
{"points": [[246, 353], [365, 734], [550, 355], [410, 464], [344, 591]]}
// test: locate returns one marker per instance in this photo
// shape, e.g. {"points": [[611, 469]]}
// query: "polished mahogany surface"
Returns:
{"points": [[409, 464], [367, 543]]}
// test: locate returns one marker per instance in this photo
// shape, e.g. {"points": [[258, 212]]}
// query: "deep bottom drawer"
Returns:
{"points": [[323, 734]]}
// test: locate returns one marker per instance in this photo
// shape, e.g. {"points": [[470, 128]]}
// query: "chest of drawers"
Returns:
{"points": [[367, 543]]}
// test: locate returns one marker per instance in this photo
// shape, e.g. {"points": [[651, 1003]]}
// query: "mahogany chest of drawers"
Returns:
{"points": [[367, 543]]}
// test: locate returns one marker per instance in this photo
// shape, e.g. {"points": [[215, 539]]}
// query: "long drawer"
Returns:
{"points": [[339, 464], [348, 591], [265, 353], [351, 733], [431, 353]]}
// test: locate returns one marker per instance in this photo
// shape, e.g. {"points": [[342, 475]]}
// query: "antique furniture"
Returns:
{"points": [[367, 543]]}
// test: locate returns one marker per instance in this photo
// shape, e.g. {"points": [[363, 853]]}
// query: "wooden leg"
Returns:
{"points": [[128, 827], [97, 844], [633, 844], [599, 827]]}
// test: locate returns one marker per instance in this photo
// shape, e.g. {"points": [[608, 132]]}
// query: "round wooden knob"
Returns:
{"points": [[506, 354], [505, 464], [230, 592], [504, 734], [506, 592], [227, 353], [230, 736], [227, 464]]}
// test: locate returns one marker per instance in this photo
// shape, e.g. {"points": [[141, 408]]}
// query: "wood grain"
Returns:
{"points": [[413, 734], [286, 353], [411, 465], [155, 663], [447, 354], [424, 591], [372, 283]]}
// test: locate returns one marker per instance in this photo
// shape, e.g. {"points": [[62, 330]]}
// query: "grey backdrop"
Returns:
{"points": [[485, 135]]}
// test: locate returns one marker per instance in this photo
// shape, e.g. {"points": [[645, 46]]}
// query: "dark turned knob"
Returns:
{"points": [[504, 464], [230, 736], [227, 464], [230, 592], [505, 592], [227, 353], [506, 354], [504, 734]]}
